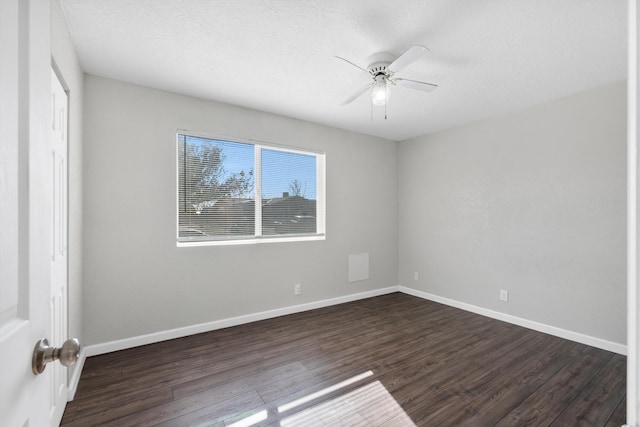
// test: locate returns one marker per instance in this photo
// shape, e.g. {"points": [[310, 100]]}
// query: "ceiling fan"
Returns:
{"points": [[382, 69]]}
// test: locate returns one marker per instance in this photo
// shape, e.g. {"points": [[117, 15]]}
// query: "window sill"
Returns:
{"points": [[252, 241]]}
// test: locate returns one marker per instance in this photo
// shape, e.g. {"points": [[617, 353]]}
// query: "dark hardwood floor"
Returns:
{"points": [[394, 360]]}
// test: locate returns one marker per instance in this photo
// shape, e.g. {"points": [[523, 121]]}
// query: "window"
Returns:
{"points": [[239, 192]]}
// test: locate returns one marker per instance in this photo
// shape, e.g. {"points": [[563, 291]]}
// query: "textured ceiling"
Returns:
{"points": [[487, 56]]}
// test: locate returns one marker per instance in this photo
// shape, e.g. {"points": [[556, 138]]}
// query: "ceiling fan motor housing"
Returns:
{"points": [[379, 68], [379, 62]]}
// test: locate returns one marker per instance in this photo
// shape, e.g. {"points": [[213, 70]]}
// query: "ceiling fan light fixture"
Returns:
{"points": [[383, 69], [380, 90]]}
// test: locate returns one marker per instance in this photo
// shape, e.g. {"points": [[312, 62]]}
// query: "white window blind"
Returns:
{"points": [[235, 191], [289, 192]]}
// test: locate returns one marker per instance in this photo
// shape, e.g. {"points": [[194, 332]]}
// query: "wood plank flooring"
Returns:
{"points": [[394, 360]]}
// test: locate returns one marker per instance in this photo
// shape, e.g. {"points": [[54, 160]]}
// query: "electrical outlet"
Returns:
{"points": [[297, 289], [416, 276], [504, 295]]}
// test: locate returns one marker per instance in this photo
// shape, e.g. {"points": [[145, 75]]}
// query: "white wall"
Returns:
{"points": [[69, 69], [532, 202], [136, 281]]}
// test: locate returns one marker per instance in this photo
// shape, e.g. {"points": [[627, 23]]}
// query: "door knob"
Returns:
{"points": [[43, 354]]}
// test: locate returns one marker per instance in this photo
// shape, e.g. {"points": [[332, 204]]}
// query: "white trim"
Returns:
{"points": [[227, 242], [253, 241], [116, 345], [108, 347], [257, 195], [321, 194], [252, 141], [75, 376], [536, 326]]}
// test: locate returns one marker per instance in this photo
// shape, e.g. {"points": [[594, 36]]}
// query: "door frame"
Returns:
{"points": [[59, 297]]}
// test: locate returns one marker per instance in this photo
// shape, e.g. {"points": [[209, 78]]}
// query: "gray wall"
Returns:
{"points": [[533, 202], [69, 68], [136, 281]]}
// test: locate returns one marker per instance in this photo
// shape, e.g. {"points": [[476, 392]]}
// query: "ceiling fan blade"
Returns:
{"points": [[355, 65], [357, 94], [411, 54], [414, 84]]}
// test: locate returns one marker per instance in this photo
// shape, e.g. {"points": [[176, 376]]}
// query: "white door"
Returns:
{"points": [[59, 220], [25, 210]]}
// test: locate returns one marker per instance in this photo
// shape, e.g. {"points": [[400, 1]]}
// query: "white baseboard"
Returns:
{"points": [[536, 326], [125, 343], [108, 347], [75, 375]]}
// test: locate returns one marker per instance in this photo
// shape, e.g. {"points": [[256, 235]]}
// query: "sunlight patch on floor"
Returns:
{"points": [[323, 392], [251, 420], [369, 405]]}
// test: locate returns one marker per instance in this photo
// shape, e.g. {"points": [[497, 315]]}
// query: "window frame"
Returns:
{"points": [[258, 146]]}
